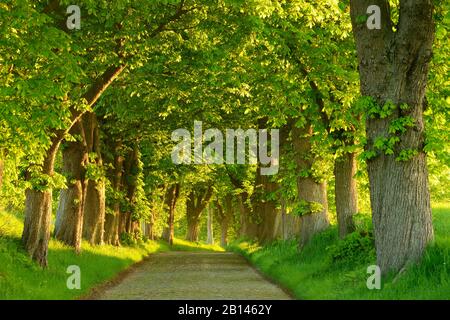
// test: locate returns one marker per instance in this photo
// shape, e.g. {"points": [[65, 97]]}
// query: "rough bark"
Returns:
{"points": [[393, 67], [69, 216], [308, 189], [171, 198], [38, 210], [346, 193], [94, 208], [112, 227]]}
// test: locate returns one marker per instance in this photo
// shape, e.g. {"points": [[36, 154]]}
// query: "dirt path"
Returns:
{"points": [[193, 275]]}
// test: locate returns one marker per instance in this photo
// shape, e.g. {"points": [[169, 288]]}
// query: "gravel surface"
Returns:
{"points": [[194, 275]]}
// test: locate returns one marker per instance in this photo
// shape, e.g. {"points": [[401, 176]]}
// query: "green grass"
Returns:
{"points": [[21, 278], [314, 274]]}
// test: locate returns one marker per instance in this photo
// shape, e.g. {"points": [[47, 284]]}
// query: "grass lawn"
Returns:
{"points": [[329, 268], [20, 278]]}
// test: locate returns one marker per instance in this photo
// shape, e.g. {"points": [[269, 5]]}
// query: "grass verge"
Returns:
{"points": [[329, 268], [21, 278]]}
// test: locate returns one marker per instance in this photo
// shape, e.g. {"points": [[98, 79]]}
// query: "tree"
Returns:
{"points": [[196, 202], [171, 198], [393, 66]]}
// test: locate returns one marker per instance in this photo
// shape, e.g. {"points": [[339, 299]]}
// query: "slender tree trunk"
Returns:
{"points": [[38, 210], [69, 216], [210, 226], [131, 170], [283, 219], [393, 68], [224, 233], [225, 216], [309, 191], [346, 193], [94, 209], [171, 200]]}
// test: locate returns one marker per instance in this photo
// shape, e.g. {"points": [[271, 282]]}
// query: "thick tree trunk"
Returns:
{"points": [[309, 191], [112, 227], [193, 229], [94, 212], [210, 226], [171, 201], [264, 208], [195, 204], [38, 210], [346, 193], [69, 216], [36, 231], [393, 68], [94, 209]]}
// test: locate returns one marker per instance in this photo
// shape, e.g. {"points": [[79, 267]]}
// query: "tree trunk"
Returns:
{"points": [[346, 193], [393, 68], [249, 228], [69, 216], [195, 204], [210, 226], [94, 209], [36, 230], [224, 225], [171, 200], [38, 210], [131, 171], [224, 217], [94, 212], [265, 209], [112, 220], [193, 230], [310, 192], [148, 230]]}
